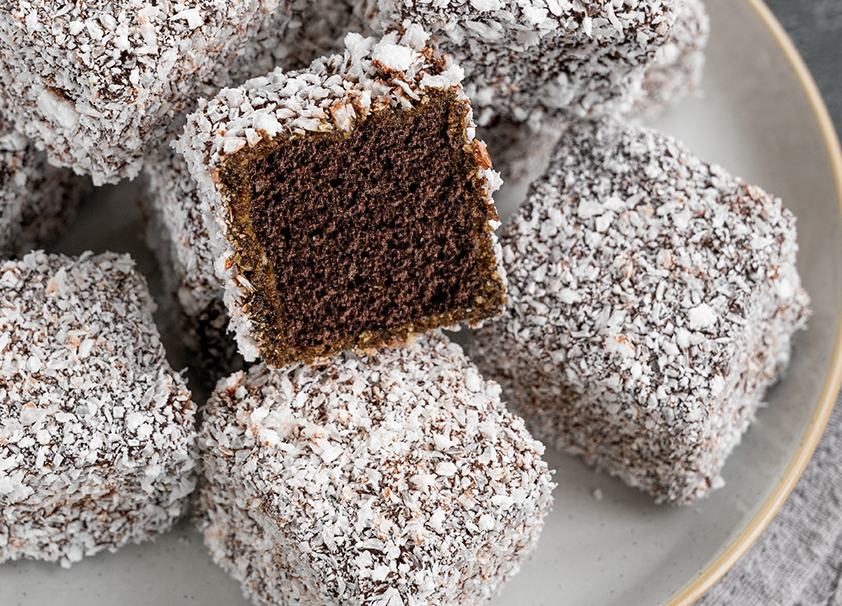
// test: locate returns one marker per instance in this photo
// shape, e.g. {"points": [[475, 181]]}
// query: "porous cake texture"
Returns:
{"points": [[653, 299], [95, 82], [37, 201], [536, 56], [97, 443], [394, 479], [351, 203]]}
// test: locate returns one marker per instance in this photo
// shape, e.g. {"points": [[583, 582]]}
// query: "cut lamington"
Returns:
{"points": [[653, 299], [393, 479], [97, 438], [352, 205]]}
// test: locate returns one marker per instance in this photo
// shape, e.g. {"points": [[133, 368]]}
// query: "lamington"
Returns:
{"points": [[393, 479], [37, 201], [351, 203], [653, 300], [97, 438], [98, 83], [530, 57]]}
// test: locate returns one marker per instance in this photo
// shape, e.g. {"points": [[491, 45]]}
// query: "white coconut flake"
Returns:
{"points": [[394, 56], [702, 316]]}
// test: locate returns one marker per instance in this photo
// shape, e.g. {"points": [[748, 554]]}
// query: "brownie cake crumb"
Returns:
{"points": [[368, 231], [176, 219]]}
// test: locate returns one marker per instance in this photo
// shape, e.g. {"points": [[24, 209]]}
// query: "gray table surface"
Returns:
{"points": [[797, 561]]}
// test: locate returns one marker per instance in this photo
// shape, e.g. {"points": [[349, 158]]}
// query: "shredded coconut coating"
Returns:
{"points": [[175, 231], [37, 201], [333, 93], [178, 233], [295, 38], [95, 82], [396, 479], [526, 56], [653, 298], [97, 444]]}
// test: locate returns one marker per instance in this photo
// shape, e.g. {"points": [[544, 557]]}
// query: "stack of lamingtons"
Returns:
{"points": [[312, 183]]}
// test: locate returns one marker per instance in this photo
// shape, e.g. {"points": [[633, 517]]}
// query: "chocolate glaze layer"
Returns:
{"points": [[367, 232]]}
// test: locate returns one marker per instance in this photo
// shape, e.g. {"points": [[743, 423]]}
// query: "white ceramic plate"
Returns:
{"points": [[759, 117]]}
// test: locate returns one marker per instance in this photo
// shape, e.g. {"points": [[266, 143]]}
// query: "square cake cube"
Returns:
{"points": [[391, 479], [653, 299], [352, 205], [97, 83], [97, 438], [676, 70]]}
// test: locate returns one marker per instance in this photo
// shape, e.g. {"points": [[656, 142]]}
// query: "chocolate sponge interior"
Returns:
{"points": [[366, 232]]}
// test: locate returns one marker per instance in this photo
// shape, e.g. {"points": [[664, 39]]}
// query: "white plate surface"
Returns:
{"points": [[755, 119]]}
